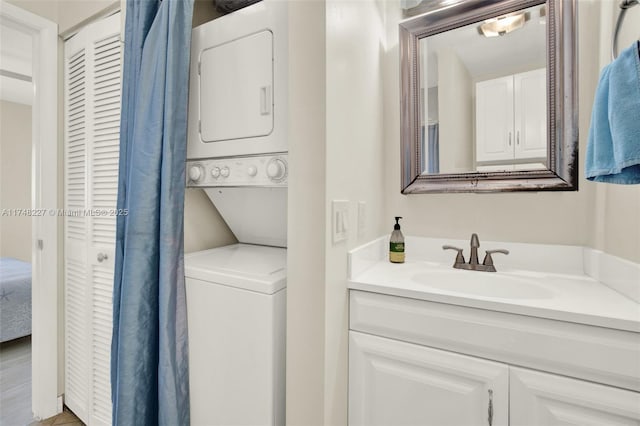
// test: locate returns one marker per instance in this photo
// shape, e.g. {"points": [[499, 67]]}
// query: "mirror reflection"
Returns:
{"points": [[483, 105]]}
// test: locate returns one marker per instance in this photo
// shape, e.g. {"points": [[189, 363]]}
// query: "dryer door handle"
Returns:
{"points": [[265, 100]]}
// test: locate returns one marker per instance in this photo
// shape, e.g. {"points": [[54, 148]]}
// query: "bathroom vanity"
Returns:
{"points": [[552, 338]]}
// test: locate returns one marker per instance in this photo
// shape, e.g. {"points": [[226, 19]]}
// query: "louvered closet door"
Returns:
{"points": [[77, 290], [91, 185]]}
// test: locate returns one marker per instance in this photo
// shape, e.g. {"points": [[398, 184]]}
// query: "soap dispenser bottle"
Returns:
{"points": [[396, 244]]}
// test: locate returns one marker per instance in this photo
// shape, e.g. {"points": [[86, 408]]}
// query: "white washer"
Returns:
{"points": [[236, 295], [236, 300]]}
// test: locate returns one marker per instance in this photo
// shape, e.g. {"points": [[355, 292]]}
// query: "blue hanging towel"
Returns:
{"points": [[613, 150]]}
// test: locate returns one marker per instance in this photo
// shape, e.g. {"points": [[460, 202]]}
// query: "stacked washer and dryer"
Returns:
{"points": [[237, 152]]}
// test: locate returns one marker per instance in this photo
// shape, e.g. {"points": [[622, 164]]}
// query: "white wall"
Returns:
{"points": [[335, 153], [204, 228], [15, 179], [455, 112], [355, 43], [306, 214]]}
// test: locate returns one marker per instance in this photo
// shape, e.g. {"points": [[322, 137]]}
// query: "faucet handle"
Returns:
{"points": [[459, 256], [488, 260]]}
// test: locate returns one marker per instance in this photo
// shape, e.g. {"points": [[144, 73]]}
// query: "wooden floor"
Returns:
{"points": [[15, 382], [65, 418], [15, 388]]}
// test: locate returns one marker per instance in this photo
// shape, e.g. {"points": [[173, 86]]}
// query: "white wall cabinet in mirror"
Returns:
{"points": [[489, 96], [511, 120]]}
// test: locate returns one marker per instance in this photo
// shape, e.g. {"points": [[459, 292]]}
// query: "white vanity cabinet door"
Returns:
{"points": [[494, 119], [530, 110], [542, 399], [397, 383]]}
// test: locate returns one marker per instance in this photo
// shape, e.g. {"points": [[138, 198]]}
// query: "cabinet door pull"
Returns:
{"points": [[490, 418], [518, 137], [509, 138]]}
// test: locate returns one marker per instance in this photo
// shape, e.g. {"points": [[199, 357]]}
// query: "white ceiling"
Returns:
{"points": [[490, 57]]}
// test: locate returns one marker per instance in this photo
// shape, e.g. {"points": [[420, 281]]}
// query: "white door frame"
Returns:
{"points": [[44, 198]]}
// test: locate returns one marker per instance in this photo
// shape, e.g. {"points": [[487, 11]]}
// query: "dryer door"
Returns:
{"points": [[236, 89]]}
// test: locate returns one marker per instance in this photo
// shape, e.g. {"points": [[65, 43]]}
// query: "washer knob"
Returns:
{"points": [[215, 172], [276, 169], [195, 173], [225, 172], [252, 171]]}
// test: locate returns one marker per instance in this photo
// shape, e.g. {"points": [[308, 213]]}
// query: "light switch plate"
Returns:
{"points": [[339, 220]]}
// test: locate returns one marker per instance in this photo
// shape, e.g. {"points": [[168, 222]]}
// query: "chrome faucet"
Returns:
{"points": [[474, 265]]}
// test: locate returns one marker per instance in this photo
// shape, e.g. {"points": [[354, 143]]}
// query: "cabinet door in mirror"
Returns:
{"points": [[482, 108]]}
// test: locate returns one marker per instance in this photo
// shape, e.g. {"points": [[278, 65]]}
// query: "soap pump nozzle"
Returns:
{"points": [[397, 225]]}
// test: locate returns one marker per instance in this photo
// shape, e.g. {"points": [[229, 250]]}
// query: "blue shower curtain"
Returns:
{"points": [[149, 364], [433, 148]]}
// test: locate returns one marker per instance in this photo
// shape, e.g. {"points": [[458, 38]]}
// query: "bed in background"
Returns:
{"points": [[15, 298]]}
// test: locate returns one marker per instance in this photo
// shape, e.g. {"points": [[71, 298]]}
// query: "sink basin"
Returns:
{"points": [[484, 284]]}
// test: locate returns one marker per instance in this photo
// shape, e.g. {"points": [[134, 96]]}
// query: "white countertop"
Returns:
{"points": [[571, 296]]}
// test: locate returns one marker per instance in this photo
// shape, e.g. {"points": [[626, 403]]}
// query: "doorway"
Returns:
{"points": [[42, 35], [15, 243]]}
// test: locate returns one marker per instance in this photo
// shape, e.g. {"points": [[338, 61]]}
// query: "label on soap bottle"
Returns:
{"points": [[396, 252]]}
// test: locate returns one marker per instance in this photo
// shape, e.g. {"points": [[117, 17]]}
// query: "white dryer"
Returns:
{"points": [[238, 97]]}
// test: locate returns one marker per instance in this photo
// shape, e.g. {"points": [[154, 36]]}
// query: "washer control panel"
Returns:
{"points": [[263, 170]]}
